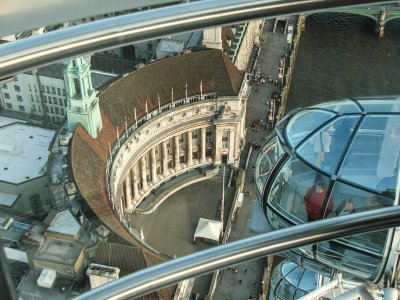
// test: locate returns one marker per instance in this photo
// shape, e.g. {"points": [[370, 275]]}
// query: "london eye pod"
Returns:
{"points": [[334, 159]]}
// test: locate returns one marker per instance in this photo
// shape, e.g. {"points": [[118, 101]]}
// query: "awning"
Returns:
{"points": [[208, 229]]}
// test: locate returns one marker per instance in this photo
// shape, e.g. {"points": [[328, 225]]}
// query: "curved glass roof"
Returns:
{"points": [[350, 138], [291, 281]]}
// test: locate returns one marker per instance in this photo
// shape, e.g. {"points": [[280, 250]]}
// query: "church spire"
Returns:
{"points": [[83, 104]]}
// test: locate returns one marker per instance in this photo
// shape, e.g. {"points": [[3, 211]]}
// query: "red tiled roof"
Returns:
{"points": [[119, 100]]}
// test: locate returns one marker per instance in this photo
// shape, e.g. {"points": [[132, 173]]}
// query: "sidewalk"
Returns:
{"points": [[246, 282]]}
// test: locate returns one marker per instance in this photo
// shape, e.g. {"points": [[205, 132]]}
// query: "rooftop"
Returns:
{"points": [[23, 152], [65, 223], [59, 252]]}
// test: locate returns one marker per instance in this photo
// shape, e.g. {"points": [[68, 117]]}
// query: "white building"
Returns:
{"points": [[23, 168], [39, 96]]}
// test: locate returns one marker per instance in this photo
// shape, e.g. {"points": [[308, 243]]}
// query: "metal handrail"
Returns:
{"points": [[154, 278], [41, 50]]}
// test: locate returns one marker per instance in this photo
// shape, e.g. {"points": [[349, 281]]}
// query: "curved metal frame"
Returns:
{"points": [[40, 50], [154, 278]]}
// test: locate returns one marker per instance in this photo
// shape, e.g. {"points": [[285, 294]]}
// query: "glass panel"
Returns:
{"points": [[346, 200], [392, 105], [308, 281], [295, 276], [288, 267], [373, 156], [324, 149], [304, 122], [295, 185], [343, 106], [275, 277], [267, 158], [285, 290], [351, 260], [299, 294]]}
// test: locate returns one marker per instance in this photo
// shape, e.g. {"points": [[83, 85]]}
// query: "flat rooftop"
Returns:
{"points": [[23, 152], [59, 251]]}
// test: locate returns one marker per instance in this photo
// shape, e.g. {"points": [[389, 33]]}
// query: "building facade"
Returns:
{"points": [[157, 127]]}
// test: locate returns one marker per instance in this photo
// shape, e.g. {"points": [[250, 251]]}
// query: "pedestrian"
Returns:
{"points": [[254, 284], [240, 281], [245, 270]]}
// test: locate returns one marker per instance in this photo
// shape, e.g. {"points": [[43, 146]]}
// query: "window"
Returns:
{"points": [[62, 111], [53, 90], [34, 87], [33, 107], [4, 86], [57, 110], [32, 98], [52, 109], [42, 88], [17, 88], [47, 89], [59, 91], [77, 88], [65, 102], [64, 94], [21, 108], [46, 109], [19, 97], [37, 98], [6, 95], [29, 86], [8, 105], [55, 100], [44, 99], [50, 100]]}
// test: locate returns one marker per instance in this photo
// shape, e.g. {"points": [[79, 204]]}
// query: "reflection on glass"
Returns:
{"points": [[325, 148], [389, 105], [303, 123], [291, 281], [267, 158], [373, 156], [295, 193], [353, 261], [343, 106]]}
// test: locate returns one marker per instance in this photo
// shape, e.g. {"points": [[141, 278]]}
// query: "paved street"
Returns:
{"points": [[251, 221]]}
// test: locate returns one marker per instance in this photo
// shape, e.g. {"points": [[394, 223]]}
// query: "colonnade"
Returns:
{"points": [[137, 181]]}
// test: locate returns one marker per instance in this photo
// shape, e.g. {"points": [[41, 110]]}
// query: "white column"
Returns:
{"points": [[135, 182], [165, 158], [176, 152], [143, 174], [189, 148], [153, 165], [203, 144], [218, 146], [231, 154], [128, 194]]}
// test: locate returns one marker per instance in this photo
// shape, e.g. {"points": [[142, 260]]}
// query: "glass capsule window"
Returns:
{"points": [[269, 155], [343, 158], [291, 281]]}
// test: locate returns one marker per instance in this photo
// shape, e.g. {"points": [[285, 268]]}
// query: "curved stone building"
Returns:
{"points": [[156, 123], [334, 159]]}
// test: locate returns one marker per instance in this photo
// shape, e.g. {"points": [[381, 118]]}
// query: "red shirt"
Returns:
{"points": [[314, 202]]}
